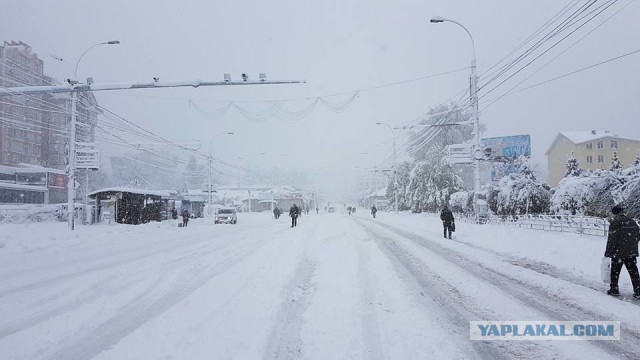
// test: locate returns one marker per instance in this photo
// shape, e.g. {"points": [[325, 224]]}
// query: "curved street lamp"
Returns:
{"points": [[395, 165], [474, 105], [71, 189]]}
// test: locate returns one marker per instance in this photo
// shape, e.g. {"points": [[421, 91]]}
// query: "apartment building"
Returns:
{"points": [[34, 129], [593, 150]]}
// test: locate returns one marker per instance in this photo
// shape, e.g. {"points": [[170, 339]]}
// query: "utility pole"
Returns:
{"points": [[71, 176], [395, 165], [210, 196], [476, 153]]}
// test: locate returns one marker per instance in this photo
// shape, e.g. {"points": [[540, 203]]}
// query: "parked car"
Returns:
{"points": [[226, 216]]}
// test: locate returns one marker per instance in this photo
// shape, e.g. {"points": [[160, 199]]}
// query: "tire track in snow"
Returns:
{"points": [[285, 342], [151, 304], [370, 323], [74, 274], [531, 295], [449, 300], [112, 286], [526, 263]]}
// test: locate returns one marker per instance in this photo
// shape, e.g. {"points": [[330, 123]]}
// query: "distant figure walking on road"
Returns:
{"points": [[374, 210], [622, 248], [448, 222], [185, 217], [294, 212]]}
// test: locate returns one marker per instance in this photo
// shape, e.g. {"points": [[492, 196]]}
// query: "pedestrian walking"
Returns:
{"points": [[185, 217], [448, 222], [622, 248], [374, 210], [294, 212]]}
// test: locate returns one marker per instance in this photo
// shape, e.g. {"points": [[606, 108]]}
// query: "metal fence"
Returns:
{"points": [[19, 214], [586, 225]]}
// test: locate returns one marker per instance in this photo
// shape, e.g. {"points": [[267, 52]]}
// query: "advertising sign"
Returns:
{"points": [[508, 148], [57, 181]]}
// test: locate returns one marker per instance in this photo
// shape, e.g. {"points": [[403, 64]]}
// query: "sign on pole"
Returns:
{"points": [[508, 148]]}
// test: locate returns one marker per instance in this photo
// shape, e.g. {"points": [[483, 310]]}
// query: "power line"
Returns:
{"points": [[564, 75]]}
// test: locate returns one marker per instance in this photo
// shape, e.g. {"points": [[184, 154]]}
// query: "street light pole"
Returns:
{"points": [[474, 107], [210, 187], [395, 165], [71, 182], [375, 172]]}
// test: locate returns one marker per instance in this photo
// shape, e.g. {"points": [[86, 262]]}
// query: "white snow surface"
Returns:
{"points": [[335, 287]]}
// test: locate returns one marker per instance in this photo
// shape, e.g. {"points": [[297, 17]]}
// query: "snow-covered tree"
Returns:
{"points": [[573, 168], [615, 162], [430, 185], [425, 139], [404, 202], [592, 194], [521, 193]]}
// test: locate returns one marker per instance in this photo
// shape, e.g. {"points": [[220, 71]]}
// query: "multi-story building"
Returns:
{"points": [[34, 129], [20, 116], [593, 149]]}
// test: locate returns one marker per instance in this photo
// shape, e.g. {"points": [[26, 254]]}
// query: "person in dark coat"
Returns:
{"points": [[448, 222], [174, 214], [374, 210], [276, 212], [294, 212], [622, 248], [185, 217]]}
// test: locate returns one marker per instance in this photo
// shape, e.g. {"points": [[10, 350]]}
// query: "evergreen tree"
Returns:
{"points": [[636, 162], [573, 168], [615, 162]]}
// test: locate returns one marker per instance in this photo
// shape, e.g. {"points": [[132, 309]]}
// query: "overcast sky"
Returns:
{"points": [[336, 46]]}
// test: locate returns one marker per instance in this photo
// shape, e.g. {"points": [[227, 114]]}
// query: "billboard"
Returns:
{"points": [[508, 148]]}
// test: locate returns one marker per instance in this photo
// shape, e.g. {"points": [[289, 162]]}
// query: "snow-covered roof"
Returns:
{"points": [[579, 137], [28, 168], [7, 185], [132, 191], [382, 192]]}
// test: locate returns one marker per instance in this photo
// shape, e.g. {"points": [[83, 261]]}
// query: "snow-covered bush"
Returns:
{"points": [[521, 193], [461, 201]]}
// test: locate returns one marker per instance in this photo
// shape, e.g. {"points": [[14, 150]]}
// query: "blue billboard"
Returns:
{"points": [[508, 148]]}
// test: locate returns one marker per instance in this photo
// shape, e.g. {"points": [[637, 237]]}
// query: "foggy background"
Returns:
{"points": [[337, 47]]}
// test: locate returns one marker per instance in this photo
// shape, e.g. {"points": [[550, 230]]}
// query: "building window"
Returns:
{"points": [[600, 144], [590, 146], [600, 159], [614, 144], [589, 159]]}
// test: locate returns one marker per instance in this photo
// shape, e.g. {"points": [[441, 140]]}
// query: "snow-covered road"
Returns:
{"points": [[335, 287]]}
